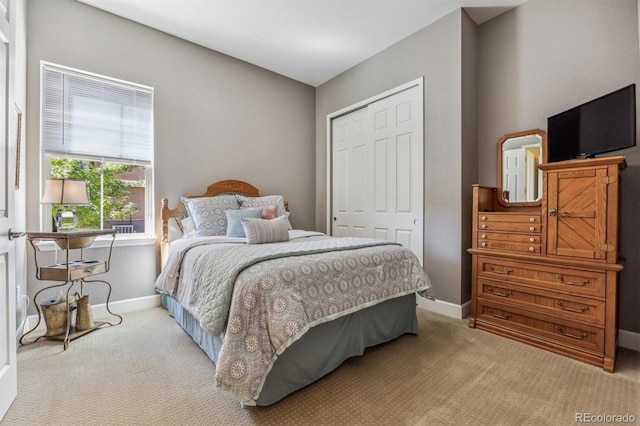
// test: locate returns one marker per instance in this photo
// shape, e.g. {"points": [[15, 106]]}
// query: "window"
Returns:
{"points": [[100, 130]]}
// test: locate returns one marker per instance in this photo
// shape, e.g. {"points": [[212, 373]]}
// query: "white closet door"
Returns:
{"points": [[352, 206], [377, 173]]}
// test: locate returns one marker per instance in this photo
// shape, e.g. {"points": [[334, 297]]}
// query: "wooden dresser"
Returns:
{"points": [[548, 275]]}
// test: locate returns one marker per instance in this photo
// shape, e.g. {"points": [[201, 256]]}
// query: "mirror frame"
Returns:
{"points": [[500, 173]]}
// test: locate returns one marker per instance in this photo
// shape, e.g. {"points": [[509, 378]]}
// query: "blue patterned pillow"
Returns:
{"points": [[208, 213], [234, 221]]}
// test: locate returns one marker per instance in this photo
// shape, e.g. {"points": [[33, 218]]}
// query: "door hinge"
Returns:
{"points": [[607, 247], [608, 179]]}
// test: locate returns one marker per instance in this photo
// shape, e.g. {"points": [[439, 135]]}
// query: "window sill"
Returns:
{"points": [[104, 242]]}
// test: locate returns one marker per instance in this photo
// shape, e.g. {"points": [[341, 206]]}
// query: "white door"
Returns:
{"points": [[514, 170], [8, 114], [377, 171], [351, 209], [531, 187]]}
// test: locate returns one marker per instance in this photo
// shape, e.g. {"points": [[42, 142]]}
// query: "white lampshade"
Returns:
{"points": [[65, 192]]}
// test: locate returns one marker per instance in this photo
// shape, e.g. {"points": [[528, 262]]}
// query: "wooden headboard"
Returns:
{"points": [[223, 187]]}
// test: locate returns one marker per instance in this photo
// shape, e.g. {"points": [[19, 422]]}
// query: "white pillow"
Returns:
{"points": [[259, 231], [188, 230]]}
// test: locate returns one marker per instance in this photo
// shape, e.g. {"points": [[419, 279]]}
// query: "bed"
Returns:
{"points": [[273, 307]]}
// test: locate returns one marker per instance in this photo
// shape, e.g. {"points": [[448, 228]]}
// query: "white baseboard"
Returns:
{"points": [[100, 311], [626, 339], [447, 309], [629, 340]]}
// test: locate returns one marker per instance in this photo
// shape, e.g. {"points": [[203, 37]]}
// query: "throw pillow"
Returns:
{"points": [[234, 224], [259, 231]]}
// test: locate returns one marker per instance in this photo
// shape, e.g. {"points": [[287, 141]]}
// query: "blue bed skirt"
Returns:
{"points": [[322, 349]]}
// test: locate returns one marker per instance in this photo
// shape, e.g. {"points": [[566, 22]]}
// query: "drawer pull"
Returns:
{"points": [[504, 317], [507, 294], [532, 219], [483, 236], [532, 249], [483, 218], [532, 240], [484, 244], [573, 336], [561, 278], [532, 228], [565, 308], [506, 272], [483, 226]]}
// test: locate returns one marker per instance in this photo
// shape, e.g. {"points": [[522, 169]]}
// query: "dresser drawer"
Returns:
{"points": [[490, 217], [527, 238], [522, 227], [561, 279], [505, 244], [556, 304], [568, 333], [505, 222]]}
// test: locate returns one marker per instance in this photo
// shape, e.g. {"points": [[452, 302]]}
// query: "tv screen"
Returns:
{"points": [[602, 125]]}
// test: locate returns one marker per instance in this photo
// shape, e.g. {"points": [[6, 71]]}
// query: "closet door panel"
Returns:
{"points": [[377, 170]]}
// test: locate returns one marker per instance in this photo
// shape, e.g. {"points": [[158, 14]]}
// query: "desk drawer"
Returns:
{"points": [[569, 333], [75, 271], [557, 304], [562, 279]]}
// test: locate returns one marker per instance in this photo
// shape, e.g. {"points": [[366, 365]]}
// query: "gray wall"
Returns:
{"points": [[435, 53], [215, 118], [545, 57], [469, 158], [536, 60]]}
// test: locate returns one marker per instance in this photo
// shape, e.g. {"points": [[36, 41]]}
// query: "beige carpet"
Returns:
{"points": [[147, 371]]}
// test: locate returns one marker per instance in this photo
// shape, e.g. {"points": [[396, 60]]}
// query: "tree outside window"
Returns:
{"points": [[116, 192]]}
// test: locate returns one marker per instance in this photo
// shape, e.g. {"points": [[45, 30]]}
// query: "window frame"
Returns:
{"points": [[146, 237]]}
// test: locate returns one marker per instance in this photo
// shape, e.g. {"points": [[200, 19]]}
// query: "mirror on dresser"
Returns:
{"points": [[519, 179]]}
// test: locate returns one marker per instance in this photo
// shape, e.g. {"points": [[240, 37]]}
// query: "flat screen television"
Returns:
{"points": [[605, 124]]}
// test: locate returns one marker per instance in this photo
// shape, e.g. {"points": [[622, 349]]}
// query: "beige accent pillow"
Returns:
{"points": [[259, 231]]}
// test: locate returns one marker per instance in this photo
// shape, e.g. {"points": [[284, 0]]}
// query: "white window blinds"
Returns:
{"points": [[94, 116]]}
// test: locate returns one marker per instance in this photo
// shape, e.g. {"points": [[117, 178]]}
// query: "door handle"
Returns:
{"points": [[15, 234]]}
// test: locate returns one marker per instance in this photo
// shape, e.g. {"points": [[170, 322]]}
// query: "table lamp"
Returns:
{"points": [[65, 192]]}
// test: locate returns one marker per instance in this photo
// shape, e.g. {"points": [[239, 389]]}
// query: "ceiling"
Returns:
{"points": [[310, 41]]}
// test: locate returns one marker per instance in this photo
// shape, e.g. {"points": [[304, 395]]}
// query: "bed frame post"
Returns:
{"points": [[164, 241]]}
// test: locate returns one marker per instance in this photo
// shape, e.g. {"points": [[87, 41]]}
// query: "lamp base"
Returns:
{"points": [[65, 220]]}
